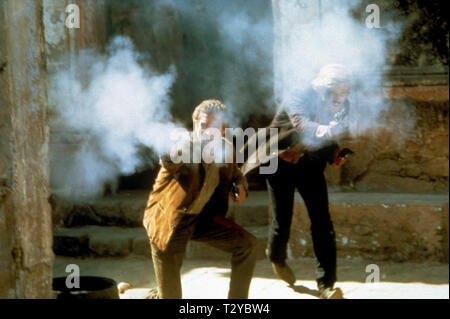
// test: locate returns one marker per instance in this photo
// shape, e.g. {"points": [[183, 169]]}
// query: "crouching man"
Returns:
{"points": [[189, 201]]}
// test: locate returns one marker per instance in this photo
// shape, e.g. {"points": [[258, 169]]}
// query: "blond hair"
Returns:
{"points": [[209, 106]]}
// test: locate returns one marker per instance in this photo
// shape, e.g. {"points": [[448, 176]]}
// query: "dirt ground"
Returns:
{"points": [[206, 279]]}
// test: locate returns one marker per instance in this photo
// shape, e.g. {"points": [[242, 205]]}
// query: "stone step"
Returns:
{"points": [[380, 225], [126, 209], [123, 209], [100, 241], [108, 241]]}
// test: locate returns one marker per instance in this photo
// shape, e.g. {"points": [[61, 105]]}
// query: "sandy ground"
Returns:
{"points": [[206, 279]]}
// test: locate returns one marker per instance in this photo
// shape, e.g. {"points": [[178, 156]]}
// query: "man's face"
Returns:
{"points": [[206, 121], [338, 95]]}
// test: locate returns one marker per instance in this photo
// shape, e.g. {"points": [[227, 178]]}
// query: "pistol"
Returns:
{"points": [[346, 151], [235, 191]]}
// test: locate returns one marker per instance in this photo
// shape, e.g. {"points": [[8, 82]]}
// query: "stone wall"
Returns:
{"points": [[26, 256], [396, 227], [410, 153], [61, 41]]}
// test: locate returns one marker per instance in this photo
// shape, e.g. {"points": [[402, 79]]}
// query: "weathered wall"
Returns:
{"points": [[380, 227], [62, 43], [410, 154], [26, 256]]}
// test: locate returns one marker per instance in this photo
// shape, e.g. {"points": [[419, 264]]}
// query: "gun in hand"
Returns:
{"points": [[235, 191], [345, 152], [341, 157]]}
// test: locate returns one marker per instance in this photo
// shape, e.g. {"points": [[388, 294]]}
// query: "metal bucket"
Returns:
{"points": [[90, 287]]}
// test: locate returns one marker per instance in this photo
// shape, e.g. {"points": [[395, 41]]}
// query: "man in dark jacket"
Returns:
{"points": [[189, 201], [310, 122]]}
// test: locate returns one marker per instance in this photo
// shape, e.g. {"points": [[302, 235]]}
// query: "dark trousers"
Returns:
{"points": [[214, 231], [307, 177]]}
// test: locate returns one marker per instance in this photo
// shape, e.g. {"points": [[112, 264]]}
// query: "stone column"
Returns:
{"points": [[26, 256]]}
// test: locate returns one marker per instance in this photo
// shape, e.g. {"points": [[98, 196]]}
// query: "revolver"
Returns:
{"points": [[235, 191]]}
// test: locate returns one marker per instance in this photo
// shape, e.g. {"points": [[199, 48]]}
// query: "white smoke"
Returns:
{"points": [[115, 107], [313, 35], [250, 40]]}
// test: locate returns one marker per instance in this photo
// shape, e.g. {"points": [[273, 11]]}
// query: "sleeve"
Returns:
{"points": [[300, 107], [166, 162], [297, 106]]}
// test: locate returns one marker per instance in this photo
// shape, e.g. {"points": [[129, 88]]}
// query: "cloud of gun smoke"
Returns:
{"points": [[241, 35], [312, 39], [114, 107], [250, 40], [233, 53]]}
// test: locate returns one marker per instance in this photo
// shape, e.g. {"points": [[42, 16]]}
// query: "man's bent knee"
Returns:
{"points": [[247, 246]]}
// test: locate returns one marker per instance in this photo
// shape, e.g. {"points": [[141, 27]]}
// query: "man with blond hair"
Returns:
{"points": [[189, 201]]}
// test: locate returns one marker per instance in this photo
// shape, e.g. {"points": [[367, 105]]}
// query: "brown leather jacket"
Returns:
{"points": [[184, 189]]}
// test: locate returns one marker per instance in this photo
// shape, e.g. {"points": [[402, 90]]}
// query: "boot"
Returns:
{"points": [[330, 293], [152, 294], [284, 272]]}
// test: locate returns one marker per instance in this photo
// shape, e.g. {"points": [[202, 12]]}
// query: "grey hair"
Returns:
{"points": [[331, 75]]}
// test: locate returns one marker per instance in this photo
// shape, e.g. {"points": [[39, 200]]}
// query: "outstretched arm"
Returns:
{"points": [[301, 106]]}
